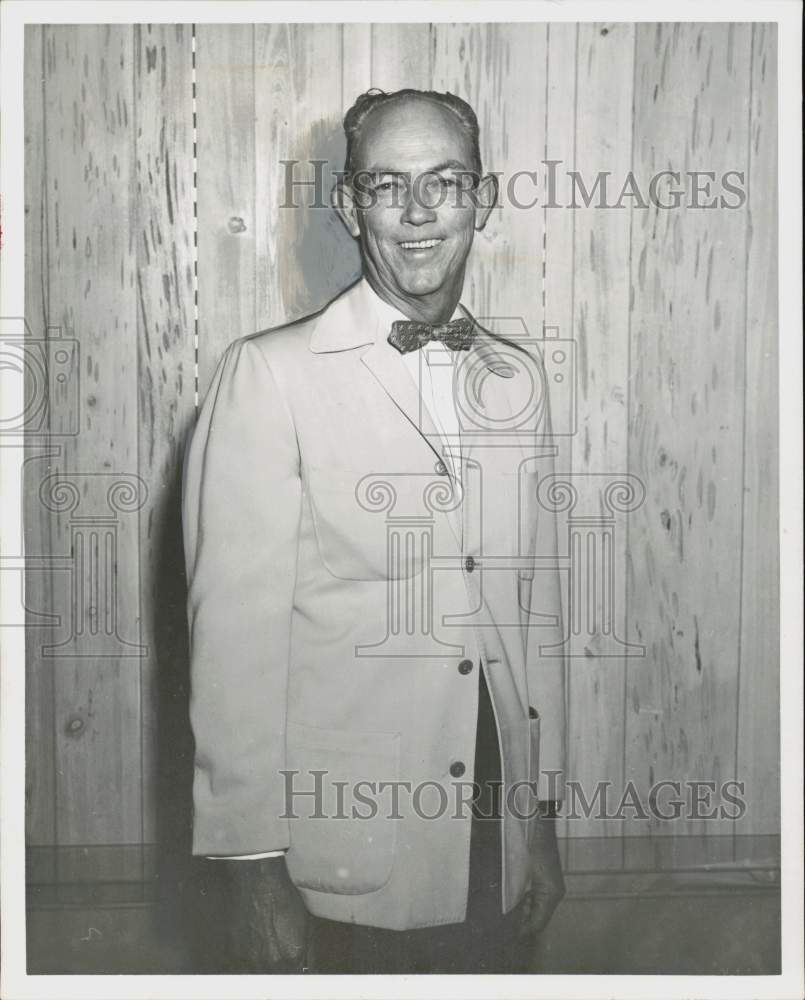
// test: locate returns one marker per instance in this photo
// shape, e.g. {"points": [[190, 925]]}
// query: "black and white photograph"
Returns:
{"points": [[402, 485]]}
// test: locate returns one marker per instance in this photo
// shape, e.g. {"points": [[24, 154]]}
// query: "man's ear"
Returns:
{"points": [[342, 198], [486, 196]]}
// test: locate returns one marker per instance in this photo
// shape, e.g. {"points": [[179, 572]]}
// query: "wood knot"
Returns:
{"points": [[74, 726]]}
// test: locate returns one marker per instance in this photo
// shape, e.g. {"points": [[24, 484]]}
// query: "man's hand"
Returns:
{"points": [[547, 883], [266, 920]]}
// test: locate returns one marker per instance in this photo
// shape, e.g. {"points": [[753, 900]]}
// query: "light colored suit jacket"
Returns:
{"points": [[343, 591]]}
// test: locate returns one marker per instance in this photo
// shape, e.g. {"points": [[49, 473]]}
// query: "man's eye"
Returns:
{"points": [[384, 186]]}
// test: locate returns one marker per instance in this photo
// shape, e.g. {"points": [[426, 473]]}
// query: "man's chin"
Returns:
{"points": [[420, 284]]}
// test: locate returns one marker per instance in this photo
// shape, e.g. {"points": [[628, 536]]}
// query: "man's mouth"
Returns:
{"points": [[420, 244]]}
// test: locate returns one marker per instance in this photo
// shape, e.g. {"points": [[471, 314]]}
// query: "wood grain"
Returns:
{"points": [[557, 251], [603, 143], [40, 774], [759, 689], [686, 414], [356, 62], [304, 255], [501, 70], [166, 385], [93, 297], [226, 190], [555, 187], [401, 55]]}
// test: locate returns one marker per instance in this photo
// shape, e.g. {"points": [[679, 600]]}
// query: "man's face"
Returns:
{"points": [[411, 175]]}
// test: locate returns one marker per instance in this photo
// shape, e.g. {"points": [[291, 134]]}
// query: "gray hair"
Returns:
{"points": [[374, 99]]}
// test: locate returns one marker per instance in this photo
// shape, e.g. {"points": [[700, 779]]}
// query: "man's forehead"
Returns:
{"points": [[414, 134]]}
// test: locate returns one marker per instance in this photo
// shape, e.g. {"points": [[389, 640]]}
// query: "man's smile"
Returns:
{"points": [[421, 246]]}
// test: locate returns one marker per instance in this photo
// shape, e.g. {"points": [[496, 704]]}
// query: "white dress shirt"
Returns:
{"points": [[431, 369]]}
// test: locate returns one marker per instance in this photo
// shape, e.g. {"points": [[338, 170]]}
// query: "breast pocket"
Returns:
{"points": [[373, 526], [342, 839]]}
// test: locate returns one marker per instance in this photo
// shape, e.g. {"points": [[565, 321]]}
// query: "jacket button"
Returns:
{"points": [[457, 769], [465, 667], [469, 564], [441, 468]]}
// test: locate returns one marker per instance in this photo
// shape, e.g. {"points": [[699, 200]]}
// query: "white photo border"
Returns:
{"points": [[16, 983]]}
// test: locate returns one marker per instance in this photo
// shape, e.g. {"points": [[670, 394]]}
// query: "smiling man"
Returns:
{"points": [[376, 700], [410, 161]]}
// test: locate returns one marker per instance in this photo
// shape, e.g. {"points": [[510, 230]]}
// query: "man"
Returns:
{"points": [[355, 664]]}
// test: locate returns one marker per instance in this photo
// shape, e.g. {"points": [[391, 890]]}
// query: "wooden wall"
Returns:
{"points": [[673, 314]]}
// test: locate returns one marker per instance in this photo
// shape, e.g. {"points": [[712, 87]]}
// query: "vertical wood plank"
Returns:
{"points": [[555, 194], [401, 56], [558, 251], [356, 61], [166, 378], [304, 255], [93, 297], [759, 691], [601, 331], [356, 79], [40, 791], [501, 71], [686, 419], [226, 190]]}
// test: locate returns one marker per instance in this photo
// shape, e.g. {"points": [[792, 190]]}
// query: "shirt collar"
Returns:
{"points": [[356, 318], [387, 314]]}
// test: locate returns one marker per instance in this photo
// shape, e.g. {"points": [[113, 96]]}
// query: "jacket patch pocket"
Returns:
{"points": [[341, 837], [363, 522]]}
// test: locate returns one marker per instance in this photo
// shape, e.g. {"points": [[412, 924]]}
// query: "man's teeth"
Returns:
{"points": [[420, 244]]}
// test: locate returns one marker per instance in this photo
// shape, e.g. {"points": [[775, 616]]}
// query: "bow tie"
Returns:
{"points": [[410, 335]]}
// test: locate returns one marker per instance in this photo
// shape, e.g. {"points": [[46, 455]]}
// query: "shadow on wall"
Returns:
{"points": [[317, 257], [174, 738], [188, 889]]}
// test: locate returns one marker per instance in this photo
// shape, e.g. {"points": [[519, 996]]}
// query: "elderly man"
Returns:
{"points": [[373, 628]]}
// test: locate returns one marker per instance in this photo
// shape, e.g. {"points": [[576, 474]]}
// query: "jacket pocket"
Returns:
{"points": [[353, 519], [341, 839]]}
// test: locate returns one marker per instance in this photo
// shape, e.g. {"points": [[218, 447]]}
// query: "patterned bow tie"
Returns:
{"points": [[410, 335]]}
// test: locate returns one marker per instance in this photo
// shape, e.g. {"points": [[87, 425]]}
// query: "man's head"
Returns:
{"points": [[414, 196]]}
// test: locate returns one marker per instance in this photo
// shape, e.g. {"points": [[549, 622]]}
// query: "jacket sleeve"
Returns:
{"points": [[240, 509], [546, 661]]}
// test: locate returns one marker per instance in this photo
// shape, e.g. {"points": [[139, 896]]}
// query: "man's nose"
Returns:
{"points": [[415, 209]]}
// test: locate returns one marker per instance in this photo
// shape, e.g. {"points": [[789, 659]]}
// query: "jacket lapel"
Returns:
{"points": [[387, 366], [352, 321], [389, 369]]}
